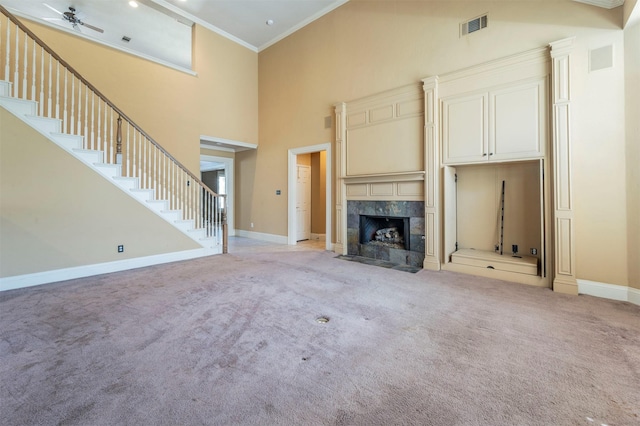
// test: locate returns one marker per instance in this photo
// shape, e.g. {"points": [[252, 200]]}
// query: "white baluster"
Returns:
{"points": [[65, 113], [79, 122], [72, 124], [110, 147], [87, 140], [24, 77], [41, 103], [143, 152], [135, 151], [33, 72], [99, 146], [49, 91], [16, 74], [57, 114], [93, 120], [7, 60]]}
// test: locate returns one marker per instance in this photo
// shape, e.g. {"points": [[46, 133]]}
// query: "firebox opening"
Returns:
{"points": [[385, 231]]}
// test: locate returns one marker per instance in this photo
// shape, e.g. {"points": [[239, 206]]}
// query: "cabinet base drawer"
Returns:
{"points": [[487, 259]]}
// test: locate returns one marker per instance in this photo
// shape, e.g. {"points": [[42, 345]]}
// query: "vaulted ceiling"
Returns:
{"points": [[162, 28]]}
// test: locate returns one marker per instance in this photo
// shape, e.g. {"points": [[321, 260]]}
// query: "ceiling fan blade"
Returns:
{"points": [[100, 30], [54, 9], [54, 19]]}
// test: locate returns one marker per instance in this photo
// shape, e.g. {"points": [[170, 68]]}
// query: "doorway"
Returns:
{"points": [[217, 174], [293, 219]]}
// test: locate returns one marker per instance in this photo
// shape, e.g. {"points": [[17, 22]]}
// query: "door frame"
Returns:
{"points": [[291, 210], [229, 175]]}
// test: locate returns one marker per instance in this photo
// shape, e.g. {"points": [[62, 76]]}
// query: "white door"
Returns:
{"points": [[303, 203]]}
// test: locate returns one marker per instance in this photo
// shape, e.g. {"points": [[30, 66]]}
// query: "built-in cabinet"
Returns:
{"points": [[503, 123], [493, 143]]}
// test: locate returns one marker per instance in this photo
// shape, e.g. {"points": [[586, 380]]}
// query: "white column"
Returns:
{"points": [[564, 280], [432, 175], [341, 168]]}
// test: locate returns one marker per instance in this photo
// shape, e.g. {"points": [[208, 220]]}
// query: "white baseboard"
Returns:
{"points": [[634, 296], [319, 237], [609, 291], [47, 277], [271, 238]]}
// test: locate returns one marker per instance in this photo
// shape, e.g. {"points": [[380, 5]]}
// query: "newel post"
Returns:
{"points": [[564, 280], [119, 142]]}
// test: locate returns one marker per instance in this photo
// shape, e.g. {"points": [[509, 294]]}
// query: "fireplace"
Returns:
{"points": [[385, 231], [400, 227]]}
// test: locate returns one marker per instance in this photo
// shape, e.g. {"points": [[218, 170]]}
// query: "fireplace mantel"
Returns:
{"points": [[385, 178]]}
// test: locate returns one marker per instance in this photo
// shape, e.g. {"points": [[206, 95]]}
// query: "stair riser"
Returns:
{"points": [[19, 106], [157, 205], [126, 183], [68, 142], [44, 124], [108, 170], [89, 157]]}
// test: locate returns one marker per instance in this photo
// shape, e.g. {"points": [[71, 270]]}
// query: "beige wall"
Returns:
{"points": [[366, 47], [174, 107], [632, 89], [57, 213]]}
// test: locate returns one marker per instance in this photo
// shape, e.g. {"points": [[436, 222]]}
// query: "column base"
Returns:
{"points": [[431, 264], [565, 285]]}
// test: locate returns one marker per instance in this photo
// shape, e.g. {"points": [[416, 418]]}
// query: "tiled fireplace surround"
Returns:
{"points": [[414, 210]]}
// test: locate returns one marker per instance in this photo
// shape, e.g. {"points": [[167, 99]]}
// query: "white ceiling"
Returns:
{"points": [[161, 28]]}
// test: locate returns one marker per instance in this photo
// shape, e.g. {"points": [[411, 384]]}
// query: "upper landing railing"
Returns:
{"points": [[37, 73]]}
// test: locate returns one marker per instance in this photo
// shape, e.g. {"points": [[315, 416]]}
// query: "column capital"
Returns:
{"points": [[561, 47]]}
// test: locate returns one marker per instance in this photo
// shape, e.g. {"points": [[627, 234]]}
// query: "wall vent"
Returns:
{"points": [[476, 24], [601, 58]]}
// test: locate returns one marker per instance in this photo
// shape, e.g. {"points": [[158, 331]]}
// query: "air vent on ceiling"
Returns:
{"points": [[126, 39], [476, 24]]}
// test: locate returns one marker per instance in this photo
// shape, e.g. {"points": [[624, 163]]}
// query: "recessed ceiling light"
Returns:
{"points": [[133, 3], [270, 22]]}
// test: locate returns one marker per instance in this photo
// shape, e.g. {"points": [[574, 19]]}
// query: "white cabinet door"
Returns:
{"points": [[518, 121], [503, 124], [464, 129]]}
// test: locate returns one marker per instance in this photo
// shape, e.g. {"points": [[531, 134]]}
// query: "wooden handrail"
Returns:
{"points": [[50, 51]]}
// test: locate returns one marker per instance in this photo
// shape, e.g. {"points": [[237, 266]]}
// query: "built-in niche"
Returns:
{"points": [[494, 217]]}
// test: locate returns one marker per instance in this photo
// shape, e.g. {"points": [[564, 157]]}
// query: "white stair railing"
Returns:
{"points": [[37, 73]]}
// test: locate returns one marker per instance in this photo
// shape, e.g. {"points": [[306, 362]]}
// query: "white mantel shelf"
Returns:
{"points": [[385, 177]]}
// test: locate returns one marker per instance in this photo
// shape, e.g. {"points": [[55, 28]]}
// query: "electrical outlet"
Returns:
{"points": [[120, 249], [534, 251], [278, 192], [252, 224]]}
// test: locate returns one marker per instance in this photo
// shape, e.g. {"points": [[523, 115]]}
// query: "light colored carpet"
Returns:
{"points": [[233, 339]]}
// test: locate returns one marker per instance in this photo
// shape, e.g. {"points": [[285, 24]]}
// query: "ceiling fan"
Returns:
{"points": [[75, 19]]}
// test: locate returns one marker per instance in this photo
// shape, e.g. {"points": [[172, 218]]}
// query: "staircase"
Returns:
{"points": [[45, 92]]}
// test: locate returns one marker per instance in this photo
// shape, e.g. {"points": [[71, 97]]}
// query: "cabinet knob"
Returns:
{"points": [[491, 153], [484, 154]]}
